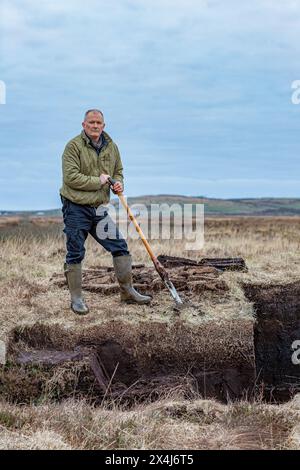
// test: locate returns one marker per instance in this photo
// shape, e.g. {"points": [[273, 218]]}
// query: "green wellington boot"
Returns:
{"points": [[123, 270], [73, 276]]}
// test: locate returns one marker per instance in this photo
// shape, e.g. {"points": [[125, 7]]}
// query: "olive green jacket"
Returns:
{"points": [[82, 167]]}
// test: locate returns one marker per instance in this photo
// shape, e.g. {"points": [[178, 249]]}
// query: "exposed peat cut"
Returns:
{"points": [[129, 362], [276, 337]]}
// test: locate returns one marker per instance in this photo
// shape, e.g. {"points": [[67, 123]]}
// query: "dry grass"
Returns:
{"points": [[270, 247], [166, 424], [28, 264]]}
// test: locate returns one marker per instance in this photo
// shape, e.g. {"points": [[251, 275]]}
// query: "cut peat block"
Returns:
{"points": [[222, 264]]}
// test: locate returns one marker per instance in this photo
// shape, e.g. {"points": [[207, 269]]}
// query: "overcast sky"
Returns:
{"points": [[197, 94]]}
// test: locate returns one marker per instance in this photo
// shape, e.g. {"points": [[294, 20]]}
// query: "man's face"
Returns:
{"points": [[93, 125]]}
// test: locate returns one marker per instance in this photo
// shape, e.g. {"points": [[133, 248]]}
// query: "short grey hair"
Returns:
{"points": [[92, 111]]}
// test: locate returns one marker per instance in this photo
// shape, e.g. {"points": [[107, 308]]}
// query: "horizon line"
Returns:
{"points": [[261, 198]]}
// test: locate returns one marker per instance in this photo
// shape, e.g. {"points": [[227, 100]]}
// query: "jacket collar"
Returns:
{"points": [[105, 136]]}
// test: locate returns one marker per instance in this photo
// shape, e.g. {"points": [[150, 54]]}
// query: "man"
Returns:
{"points": [[87, 162]]}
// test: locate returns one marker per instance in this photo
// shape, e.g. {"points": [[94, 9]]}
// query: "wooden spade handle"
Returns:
{"points": [[159, 267]]}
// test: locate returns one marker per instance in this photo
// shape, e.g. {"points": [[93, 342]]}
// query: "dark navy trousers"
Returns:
{"points": [[81, 220]]}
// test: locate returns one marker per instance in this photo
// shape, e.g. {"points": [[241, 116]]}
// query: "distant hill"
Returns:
{"points": [[255, 206], [218, 207]]}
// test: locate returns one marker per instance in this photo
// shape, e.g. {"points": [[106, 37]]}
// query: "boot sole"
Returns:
{"points": [[132, 302], [79, 313]]}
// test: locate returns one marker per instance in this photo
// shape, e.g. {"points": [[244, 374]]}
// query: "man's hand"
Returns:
{"points": [[104, 178], [117, 187]]}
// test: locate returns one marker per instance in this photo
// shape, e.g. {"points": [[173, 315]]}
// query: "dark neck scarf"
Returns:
{"points": [[96, 145]]}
